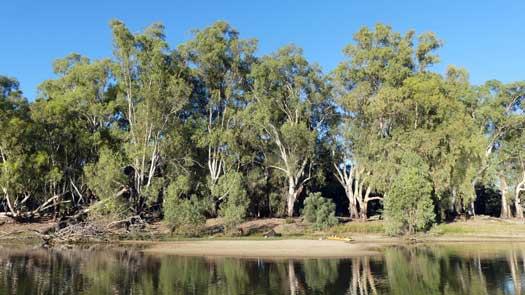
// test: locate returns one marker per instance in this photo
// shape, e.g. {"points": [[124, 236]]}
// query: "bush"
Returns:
{"points": [[233, 209], [319, 211], [104, 179], [408, 204], [185, 216]]}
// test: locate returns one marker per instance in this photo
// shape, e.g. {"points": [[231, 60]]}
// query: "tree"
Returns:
{"points": [[75, 113], [368, 89], [393, 105], [27, 176], [499, 115], [220, 62], [409, 207], [152, 88], [289, 108], [509, 169]]}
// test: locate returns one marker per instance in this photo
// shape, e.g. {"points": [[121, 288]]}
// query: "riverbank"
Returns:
{"points": [[478, 229]]}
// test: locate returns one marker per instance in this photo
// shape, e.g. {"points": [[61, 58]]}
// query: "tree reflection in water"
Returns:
{"points": [[452, 269]]}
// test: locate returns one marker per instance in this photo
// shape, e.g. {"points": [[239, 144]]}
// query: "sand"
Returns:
{"points": [[264, 248]]}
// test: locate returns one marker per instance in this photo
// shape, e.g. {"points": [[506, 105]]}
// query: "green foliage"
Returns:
{"points": [[277, 203], [106, 178], [184, 215], [408, 204], [289, 108], [319, 211], [376, 227], [211, 129], [235, 203]]}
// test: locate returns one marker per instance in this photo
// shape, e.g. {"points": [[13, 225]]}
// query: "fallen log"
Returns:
{"points": [[135, 221]]}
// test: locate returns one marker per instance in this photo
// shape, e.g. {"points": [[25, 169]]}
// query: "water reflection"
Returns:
{"points": [[422, 269]]}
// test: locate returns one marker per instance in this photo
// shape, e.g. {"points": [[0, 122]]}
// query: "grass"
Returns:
{"points": [[370, 227], [480, 227]]}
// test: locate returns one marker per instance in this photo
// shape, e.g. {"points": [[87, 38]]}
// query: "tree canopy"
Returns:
{"points": [[208, 128]]}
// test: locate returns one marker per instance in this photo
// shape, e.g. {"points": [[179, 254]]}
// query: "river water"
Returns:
{"points": [[482, 268]]}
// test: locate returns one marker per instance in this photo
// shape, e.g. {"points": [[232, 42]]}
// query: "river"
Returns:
{"points": [[481, 268]]}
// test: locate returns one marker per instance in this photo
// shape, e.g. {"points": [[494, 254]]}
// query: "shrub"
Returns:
{"points": [[319, 211], [408, 204], [104, 179], [233, 208], [184, 215]]}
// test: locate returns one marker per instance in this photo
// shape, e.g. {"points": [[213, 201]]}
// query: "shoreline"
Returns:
{"points": [[292, 239], [295, 248]]}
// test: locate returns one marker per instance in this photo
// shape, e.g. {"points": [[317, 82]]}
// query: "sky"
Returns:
{"points": [[485, 37]]}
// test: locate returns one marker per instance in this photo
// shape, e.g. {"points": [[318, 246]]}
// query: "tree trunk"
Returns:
{"points": [[352, 207], [293, 194], [364, 210], [517, 204], [517, 200], [505, 212], [472, 208], [346, 179]]}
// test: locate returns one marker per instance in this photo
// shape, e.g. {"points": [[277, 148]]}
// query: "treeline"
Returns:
{"points": [[211, 129]]}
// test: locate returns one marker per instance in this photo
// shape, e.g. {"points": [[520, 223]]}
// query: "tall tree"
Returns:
{"points": [[24, 167], [220, 62], [499, 114], [368, 87], [290, 106], [75, 112], [393, 105], [152, 89]]}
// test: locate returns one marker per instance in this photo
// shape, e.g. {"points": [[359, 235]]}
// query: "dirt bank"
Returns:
{"points": [[479, 229]]}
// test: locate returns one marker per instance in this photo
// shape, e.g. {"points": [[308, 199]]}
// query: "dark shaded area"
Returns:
{"points": [[488, 201]]}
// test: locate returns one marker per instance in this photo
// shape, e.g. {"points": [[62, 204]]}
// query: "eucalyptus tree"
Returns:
{"points": [[509, 171], [439, 129], [14, 114], [368, 88], [75, 112], [499, 115], [289, 109], [393, 106], [220, 62], [24, 163], [152, 90]]}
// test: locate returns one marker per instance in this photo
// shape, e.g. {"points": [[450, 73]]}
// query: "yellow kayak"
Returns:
{"points": [[335, 238]]}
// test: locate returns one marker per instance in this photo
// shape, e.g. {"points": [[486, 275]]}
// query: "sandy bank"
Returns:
{"points": [[271, 248]]}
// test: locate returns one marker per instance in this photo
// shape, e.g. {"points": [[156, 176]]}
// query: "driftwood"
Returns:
{"points": [[133, 222], [75, 233], [74, 230], [271, 234]]}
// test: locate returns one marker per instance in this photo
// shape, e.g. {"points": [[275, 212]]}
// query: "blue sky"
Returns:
{"points": [[486, 37]]}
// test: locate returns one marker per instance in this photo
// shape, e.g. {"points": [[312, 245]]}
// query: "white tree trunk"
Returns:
{"points": [[346, 179], [293, 193], [505, 210], [517, 200]]}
